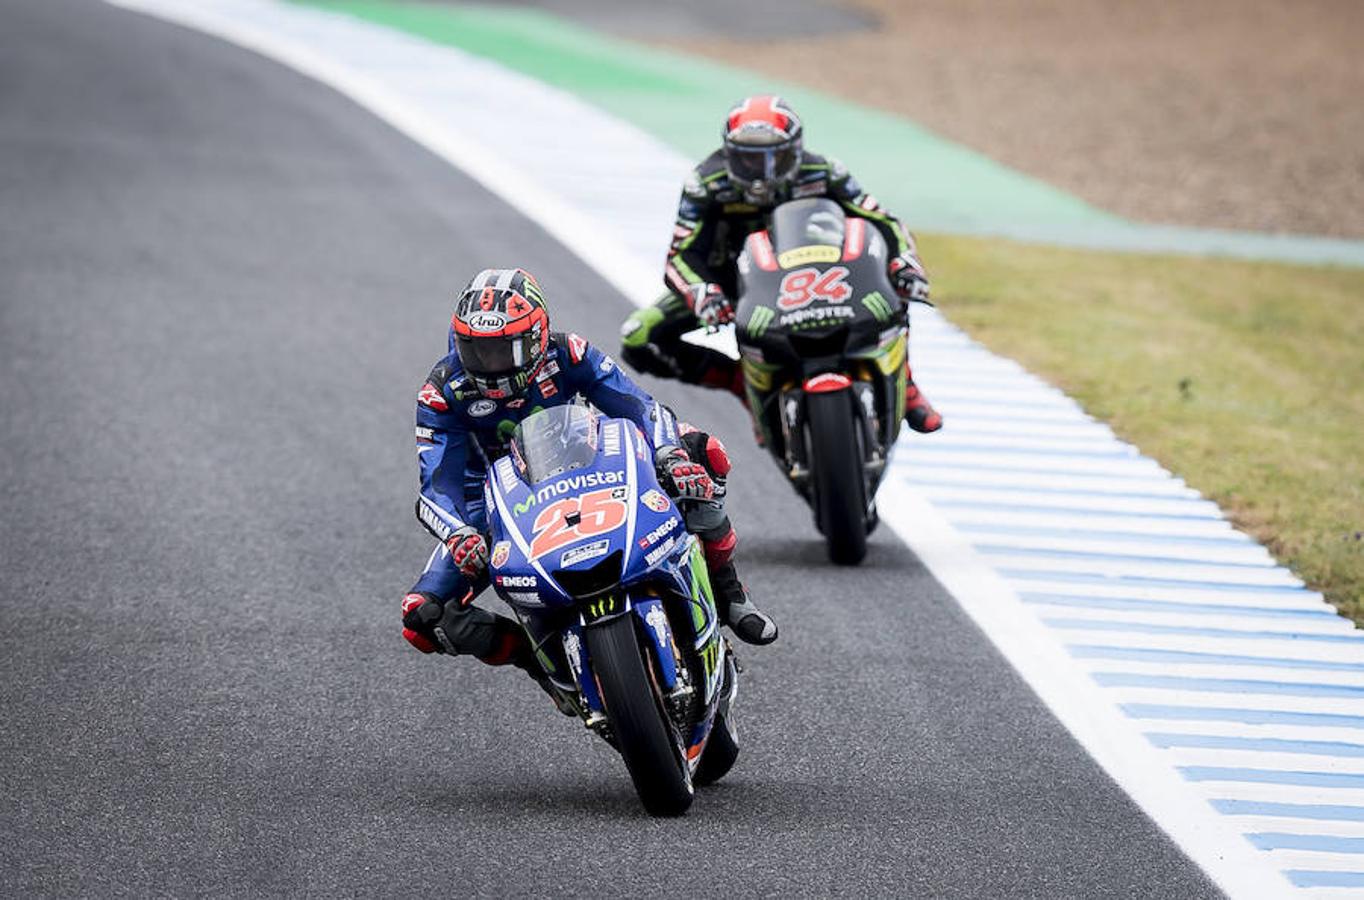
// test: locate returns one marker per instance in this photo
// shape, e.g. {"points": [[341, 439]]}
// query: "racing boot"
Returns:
{"points": [[732, 601], [919, 413]]}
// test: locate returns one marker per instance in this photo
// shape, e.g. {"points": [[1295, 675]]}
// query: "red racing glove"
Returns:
{"points": [[684, 479], [469, 551]]}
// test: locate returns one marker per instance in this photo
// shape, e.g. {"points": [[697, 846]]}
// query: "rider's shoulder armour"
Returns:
{"points": [[573, 345], [432, 393]]}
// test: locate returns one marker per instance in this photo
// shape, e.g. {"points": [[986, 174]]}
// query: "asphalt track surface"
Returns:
{"points": [[221, 285]]}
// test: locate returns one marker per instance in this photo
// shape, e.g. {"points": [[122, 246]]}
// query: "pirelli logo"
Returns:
{"points": [[803, 256]]}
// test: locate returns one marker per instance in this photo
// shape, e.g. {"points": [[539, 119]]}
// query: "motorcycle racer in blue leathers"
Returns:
{"points": [[503, 365]]}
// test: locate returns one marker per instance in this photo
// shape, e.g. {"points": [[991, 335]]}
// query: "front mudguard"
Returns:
{"points": [[653, 625]]}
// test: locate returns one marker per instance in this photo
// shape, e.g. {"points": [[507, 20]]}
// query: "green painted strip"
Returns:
{"points": [[935, 184]]}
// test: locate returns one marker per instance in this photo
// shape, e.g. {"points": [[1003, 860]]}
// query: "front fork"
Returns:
{"points": [[674, 677]]}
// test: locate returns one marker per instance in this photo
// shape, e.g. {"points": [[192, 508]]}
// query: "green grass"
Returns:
{"points": [[1247, 379]]}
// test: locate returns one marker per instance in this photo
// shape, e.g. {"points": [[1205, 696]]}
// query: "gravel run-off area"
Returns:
{"points": [[1222, 113]]}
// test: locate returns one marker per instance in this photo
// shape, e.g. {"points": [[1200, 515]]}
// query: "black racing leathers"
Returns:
{"points": [[713, 220]]}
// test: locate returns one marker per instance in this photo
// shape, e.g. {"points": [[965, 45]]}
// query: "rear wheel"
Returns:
{"points": [[644, 734], [722, 749], [721, 752], [836, 470]]}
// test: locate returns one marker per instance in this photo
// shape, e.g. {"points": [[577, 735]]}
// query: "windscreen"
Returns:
{"points": [[807, 223], [554, 441]]}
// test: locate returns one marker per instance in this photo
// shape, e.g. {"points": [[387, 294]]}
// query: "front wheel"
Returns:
{"points": [[836, 470], [644, 734]]}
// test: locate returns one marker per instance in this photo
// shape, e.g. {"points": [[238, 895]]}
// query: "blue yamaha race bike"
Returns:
{"points": [[594, 559]]}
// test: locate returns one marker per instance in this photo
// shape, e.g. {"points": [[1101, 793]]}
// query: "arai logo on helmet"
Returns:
{"points": [[482, 407], [487, 322]]}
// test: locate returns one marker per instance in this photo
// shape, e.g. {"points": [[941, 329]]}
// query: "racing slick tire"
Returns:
{"points": [[645, 735], [838, 485]]}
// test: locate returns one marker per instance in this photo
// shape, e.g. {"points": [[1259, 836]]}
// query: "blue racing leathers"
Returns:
{"points": [[460, 433]]}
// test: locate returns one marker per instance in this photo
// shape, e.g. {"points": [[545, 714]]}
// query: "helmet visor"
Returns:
{"points": [[757, 164], [495, 356]]}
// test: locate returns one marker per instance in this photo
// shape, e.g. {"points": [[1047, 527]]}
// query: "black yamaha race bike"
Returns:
{"points": [[822, 339]]}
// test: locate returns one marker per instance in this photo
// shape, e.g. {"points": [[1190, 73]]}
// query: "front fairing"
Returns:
{"points": [[605, 524], [803, 308]]}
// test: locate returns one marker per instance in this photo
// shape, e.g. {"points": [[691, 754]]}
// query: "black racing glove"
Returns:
{"points": [[908, 278], [711, 305]]}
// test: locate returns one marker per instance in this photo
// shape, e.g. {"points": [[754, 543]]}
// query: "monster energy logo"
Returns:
{"points": [[758, 322], [710, 656], [599, 608], [877, 306], [532, 290]]}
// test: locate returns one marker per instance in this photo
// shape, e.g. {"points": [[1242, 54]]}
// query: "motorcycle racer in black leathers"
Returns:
{"points": [[761, 164], [503, 365]]}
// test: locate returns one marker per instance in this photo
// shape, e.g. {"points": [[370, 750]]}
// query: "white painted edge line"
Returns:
{"points": [[1113, 741]]}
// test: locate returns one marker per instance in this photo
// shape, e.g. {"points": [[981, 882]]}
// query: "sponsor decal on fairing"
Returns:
{"points": [[655, 500], [573, 651], [658, 533], [501, 551], [658, 621], [814, 253], [506, 474], [583, 553], [517, 581], [812, 317], [660, 552], [578, 482], [610, 439]]}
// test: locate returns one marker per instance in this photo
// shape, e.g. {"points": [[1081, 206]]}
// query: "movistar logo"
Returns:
{"points": [[525, 505], [578, 482]]}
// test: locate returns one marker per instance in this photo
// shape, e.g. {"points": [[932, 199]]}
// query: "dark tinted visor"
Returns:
{"points": [[761, 163], [489, 357]]}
